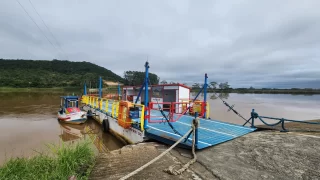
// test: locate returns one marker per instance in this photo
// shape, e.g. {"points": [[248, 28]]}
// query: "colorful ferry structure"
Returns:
{"points": [[159, 112]]}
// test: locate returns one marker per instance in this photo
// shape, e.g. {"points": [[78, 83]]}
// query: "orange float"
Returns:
{"points": [[123, 115]]}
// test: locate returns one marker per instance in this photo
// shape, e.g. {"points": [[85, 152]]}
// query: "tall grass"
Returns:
{"points": [[61, 162]]}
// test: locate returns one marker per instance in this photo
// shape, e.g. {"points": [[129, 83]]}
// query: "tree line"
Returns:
{"points": [[135, 78], [61, 73], [224, 88], [212, 86]]}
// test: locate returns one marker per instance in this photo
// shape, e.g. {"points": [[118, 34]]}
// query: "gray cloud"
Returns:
{"points": [[247, 43]]}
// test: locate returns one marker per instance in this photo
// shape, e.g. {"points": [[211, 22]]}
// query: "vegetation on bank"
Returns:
{"points": [[47, 74], [225, 88], [61, 163], [34, 75], [136, 78], [58, 73]]}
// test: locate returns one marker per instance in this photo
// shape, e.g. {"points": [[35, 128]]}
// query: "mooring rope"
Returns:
{"points": [[170, 169], [274, 124], [255, 115]]}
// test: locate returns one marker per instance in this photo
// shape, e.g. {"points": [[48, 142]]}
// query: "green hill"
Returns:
{"points": [[55, 73]]}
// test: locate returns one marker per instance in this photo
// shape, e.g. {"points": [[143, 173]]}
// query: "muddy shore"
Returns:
{"points": [[264, 154]]}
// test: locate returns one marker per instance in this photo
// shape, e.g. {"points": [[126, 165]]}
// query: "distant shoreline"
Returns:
{"points": [[264, 91], [238, 91]]}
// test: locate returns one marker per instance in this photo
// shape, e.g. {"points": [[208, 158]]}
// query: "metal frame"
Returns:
{"points": [[281, 121]]}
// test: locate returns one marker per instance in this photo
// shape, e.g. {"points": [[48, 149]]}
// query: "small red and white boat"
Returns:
{"points": [[70, 111]]}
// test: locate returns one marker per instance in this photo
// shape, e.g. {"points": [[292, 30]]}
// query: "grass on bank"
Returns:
{"points": [[60, 163]]}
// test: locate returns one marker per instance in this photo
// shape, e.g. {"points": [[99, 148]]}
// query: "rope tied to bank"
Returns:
{"points": [[170, 170]]}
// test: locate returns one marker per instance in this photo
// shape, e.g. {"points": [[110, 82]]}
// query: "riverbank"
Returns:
{"points": [[264, 91], [60, 162], [264, 154], [54, 89], [238, 91]]}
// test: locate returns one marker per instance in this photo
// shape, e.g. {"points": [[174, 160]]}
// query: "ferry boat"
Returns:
{"points": [[159, 112], [70, 112]]}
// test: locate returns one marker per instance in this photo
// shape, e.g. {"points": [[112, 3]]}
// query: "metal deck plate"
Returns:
{"points": [[210, 132]]}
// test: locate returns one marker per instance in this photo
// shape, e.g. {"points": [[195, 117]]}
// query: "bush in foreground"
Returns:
{"points": [[61, 163]]}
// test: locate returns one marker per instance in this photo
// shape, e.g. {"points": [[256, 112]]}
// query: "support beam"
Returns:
{"points": [[100, 87], [205, 94], [85, 89], [146, 93]]}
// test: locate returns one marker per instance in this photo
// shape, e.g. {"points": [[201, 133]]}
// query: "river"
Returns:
{"points": [[28, 119]]}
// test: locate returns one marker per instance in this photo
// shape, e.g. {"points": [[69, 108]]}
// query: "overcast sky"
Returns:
{"points": [[245, 42]]}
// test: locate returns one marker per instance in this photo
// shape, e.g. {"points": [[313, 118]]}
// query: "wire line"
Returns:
{"points": [[36, 24], [49, 30]]}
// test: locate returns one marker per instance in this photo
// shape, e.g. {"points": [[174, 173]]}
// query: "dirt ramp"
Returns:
{"points": [[118, 163]]}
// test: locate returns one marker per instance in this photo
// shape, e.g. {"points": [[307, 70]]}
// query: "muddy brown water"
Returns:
{"points": [[29, 121]]}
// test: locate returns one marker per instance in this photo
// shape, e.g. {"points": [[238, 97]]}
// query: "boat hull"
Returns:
{"points": [[127, 136], [78, 118]]}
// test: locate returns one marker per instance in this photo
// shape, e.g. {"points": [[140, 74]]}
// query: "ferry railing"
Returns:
{"points": [[200, 107], [89, 100], [95, 99], [175, 110], [111, 107], [131, 115], [92, 101], [104, 103], [83, 99], [208, 111], [157, 111], [179, 107], [86, 99], [115, 109], [141, 115]]}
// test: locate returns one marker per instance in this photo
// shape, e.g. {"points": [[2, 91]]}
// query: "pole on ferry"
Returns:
{"points": [[85, 89], [100, 87], [146, 93], [205, 94], [119, 95]]}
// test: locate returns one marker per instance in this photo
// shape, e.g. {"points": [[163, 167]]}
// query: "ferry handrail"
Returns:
{"points": [[114, 109], [161, 109], [141, 116], [100, 103], [208, 110], [95, 102], [104, 103]]}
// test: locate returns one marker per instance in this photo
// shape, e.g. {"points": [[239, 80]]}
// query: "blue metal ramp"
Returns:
{"points": [[210, 132]]}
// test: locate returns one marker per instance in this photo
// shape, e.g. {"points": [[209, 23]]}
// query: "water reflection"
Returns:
{"points": [[102, 141], [222, 95]]}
